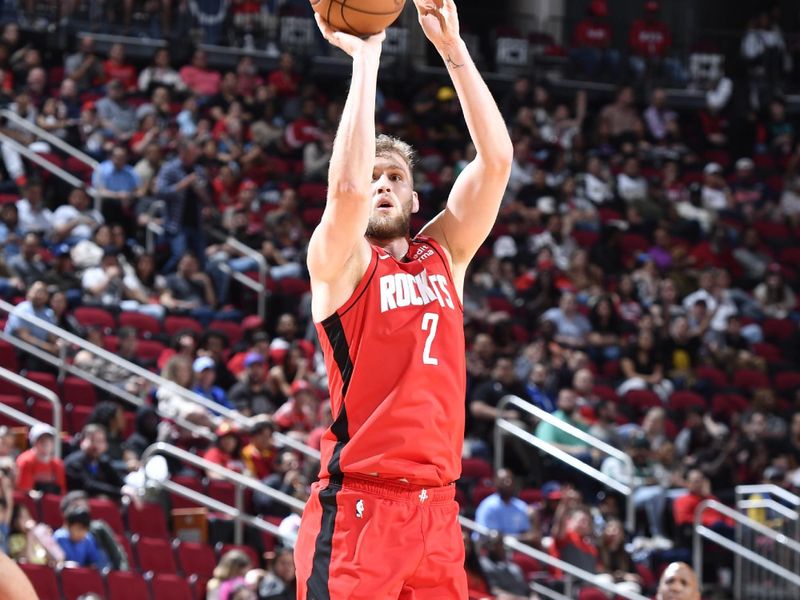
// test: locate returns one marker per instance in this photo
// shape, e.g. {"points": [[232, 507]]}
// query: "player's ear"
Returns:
{"points": [[414, 202]]}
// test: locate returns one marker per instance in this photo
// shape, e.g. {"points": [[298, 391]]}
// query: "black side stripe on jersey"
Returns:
{"points": [[321, 565]]}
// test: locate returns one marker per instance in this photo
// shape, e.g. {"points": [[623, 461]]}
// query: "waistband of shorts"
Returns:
{"points": [[393, 489]]}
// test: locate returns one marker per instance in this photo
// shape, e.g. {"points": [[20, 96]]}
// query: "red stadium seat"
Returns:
{"points": [[148, 521], [530, 495], [77, 417], [108, 511], [480, 492], [476, 468], [529, 565], [51, 511], [606, 393], [93, 316], [168, 586], [715, 376], [727, 405], [46, 380], [787, 381], [750, 379], [642, 399], [178, 501], [222, 491], [769, 352], [43, 579], [24, 499], [196, 559], [12, 401], [126, 585], [232, 330], [153, 554], [173, 325], [81, 580], [149, 350], [143, 324], [681, 401], [8, 356], [78, 392], [777, 330]]}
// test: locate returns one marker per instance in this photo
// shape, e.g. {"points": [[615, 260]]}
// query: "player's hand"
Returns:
{"points": [[350, 44], [439, 21]]}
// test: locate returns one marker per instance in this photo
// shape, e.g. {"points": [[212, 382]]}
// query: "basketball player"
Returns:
{"points": [[382, 522], [678, 582]]}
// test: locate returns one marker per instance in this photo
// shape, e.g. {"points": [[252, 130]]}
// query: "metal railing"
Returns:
{"points": [[784, 582], [282, 440], [504, 426], [240, 482], [42, 392], [569, 569], [260, 286]]}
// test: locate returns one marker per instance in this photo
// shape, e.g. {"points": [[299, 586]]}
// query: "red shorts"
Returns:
{"points": [[369, 539]]}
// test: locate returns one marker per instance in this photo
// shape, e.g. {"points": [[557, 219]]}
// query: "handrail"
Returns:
{"points": [[768, 504], [260, 287], [240, 481], [701, 530], [50, 138], [20, 416], [153, 228], [154, 379], [552, 561], [44, 393], [44, 163], [504, 425], [769, 488]]}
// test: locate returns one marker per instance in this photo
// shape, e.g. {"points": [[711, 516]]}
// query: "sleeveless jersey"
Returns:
{"points": [[395, 358]]}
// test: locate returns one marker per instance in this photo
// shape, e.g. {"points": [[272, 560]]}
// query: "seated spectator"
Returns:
{"points": [[539, 392], [111, 417], [620, 117], [604, 338], [774, 295], [110, 372], [650, 41], [631, 186], [101, 531], [32, 542], [486, 397], [84, 67], [28, 266], [89, 468], [118, 185], [616, 565], [205, 375], [160, 73], [172, 403], [116, 69], [6, 509], [198, 78], [291, 365], [146, 433], [643, 369], [678, 582], [477, 582], [226, 451], [280, 582], [116, 115], [215, 345], [574, 542], [684, 508], [567, 412], [572, 328], [229, 572], [189, 290], [251, 395], [298, 415], [35, 305], [681, 351], [34, 216], [592, 43], [75, 221], [287, 478], [10, 231], [505, 513], [62, 275], [259, 454], [78, 544], [38, 468], [505, 577]]}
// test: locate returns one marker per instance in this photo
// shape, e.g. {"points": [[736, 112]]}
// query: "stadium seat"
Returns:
{"points": [[193, 483], [530, 495], [168, 586], [14, 401], [8, 357], [223, 491], [50, 508], [196, 559], [108, 511], [46, 380], [750, 379], [642, 400], [147, 521], [78, 392], [476, 468], [767, 351], [480, 492], [149, 350], [787, 381], [144, 325], [232, 330], [529, 565], [81, 580], [77, 417], [126, 585], [727, 405], [23, 498], [174, 324], [778, 330], [682, 401], [153, 554], [43, 579], [606, 393], [714, 375], [89, 316]]}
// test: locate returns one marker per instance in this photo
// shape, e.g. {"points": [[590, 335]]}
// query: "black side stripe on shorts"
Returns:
{"points": [[320, 568]]}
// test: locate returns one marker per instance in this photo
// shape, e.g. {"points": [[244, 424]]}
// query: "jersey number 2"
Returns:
{"points": [[429, 323]]}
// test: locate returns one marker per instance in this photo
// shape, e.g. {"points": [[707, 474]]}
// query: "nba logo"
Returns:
{"points": [[359, 508]]}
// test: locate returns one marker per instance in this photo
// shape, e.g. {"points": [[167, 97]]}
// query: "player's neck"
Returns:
{"points": [[397, 247]]}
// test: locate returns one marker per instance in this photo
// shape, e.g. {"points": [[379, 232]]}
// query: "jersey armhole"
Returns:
{"points": [[360, 288], [439, 251]]}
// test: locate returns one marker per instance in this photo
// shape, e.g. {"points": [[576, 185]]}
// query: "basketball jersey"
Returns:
{"points": [[395, 358]]}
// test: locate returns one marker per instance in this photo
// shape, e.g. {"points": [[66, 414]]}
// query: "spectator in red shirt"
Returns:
{"points": [[38, 468], [226, 451], [592, 50], [297, 416], [115, 67], [650, 40], [199, 78], [259, 454], [683, 507], [284, 79]]}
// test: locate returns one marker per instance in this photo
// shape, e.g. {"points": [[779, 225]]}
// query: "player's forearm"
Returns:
{"points": [[483, 118], [353, 152]]}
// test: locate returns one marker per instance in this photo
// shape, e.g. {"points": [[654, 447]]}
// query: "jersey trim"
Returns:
{"points": [[334, 330], [318, 579], [437, 247]]}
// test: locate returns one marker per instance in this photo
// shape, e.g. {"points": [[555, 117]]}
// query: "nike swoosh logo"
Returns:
{"points": [[383, 256]]}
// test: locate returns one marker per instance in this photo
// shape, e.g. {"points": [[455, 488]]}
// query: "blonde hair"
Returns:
{"points": [[387, 144], [233, 563]]}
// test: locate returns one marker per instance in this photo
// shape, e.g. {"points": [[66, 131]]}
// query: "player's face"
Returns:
{"points": [[678, 583], [393, 198]]}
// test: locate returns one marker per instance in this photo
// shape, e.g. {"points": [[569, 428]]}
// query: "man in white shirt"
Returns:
{"points": [[34, 216], [75, 221], [716, 194]]}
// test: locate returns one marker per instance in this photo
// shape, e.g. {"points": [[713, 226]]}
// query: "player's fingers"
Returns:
{"points": [[324, 26]]}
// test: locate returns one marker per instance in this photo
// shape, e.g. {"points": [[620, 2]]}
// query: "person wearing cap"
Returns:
{"points": [[226, 451], [650, 40], [716, 195], [34, 216], [37, 467], [678, 582], [752, 197], [62, 275], [591, 43], [205, 375], [297, 416], [251, 395], [259, 453]]}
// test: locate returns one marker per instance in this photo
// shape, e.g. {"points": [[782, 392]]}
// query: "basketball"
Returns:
{"points": [[359, 17]]}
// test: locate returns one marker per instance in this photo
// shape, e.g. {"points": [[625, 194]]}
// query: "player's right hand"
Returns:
{"points": [[350, 44]]}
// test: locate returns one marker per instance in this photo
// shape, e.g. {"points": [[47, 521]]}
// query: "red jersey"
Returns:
{"points": [[395, 357], [592, 34], [650, 39]]}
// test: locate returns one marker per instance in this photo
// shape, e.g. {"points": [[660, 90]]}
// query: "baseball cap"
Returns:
{"points": [[301, 385], [202, 363], [599, 8], [744, 163], [253, 358], [252, 322], [712, 167], [226, 429], [551, 490], [61, 250], [38, 430], [651, 6], [445, 94]]}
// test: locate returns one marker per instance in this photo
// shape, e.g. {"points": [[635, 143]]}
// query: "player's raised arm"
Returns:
{"points": [[340, 234], [475, 198]]}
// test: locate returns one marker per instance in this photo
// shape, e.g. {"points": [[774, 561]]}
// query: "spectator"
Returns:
{"points": [[615, 562], [118, 185], [90, 469], [292, 366], [160, 73], [78, 544], [284, 79], [506, 579], [28, 265], [774, 296], [189, 290], [298, 415], [116, 114], [486, 397], [100, 530], [10, 231], [32, 542], [683, 508], [205, 375], [279, 583], [592, 49], [678, 582], [251, 395], [226, 451], [110, 416], [38, 468], [83, 67], [572, 328], [228, 573], [716, 195], [172, 402], [287, 478], [574, 542], [198, 78], [6, 509], [477, 582], [259, 453], [145, 433], [34, 216], [116, 69], [658, 118], [567, 412], [620, 117], [505, 513], [643, 369], [650, 41], [75, 221], [35, 305]]}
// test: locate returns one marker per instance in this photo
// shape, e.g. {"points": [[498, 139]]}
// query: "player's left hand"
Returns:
{"points": [[439, 21]]}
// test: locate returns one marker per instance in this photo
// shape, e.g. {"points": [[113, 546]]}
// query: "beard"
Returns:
{"points": [[388, 227]]}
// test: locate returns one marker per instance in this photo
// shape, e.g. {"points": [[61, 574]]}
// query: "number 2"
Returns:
{"points": [[429, 323]]}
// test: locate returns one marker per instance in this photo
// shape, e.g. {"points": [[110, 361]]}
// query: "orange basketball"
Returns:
{"points": [[359, 17]]}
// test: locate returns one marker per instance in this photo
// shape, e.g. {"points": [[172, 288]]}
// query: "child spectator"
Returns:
{"points": [[78, 544]]}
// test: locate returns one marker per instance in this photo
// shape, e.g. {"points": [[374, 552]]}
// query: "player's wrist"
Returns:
{"points": [[454, 52]]}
